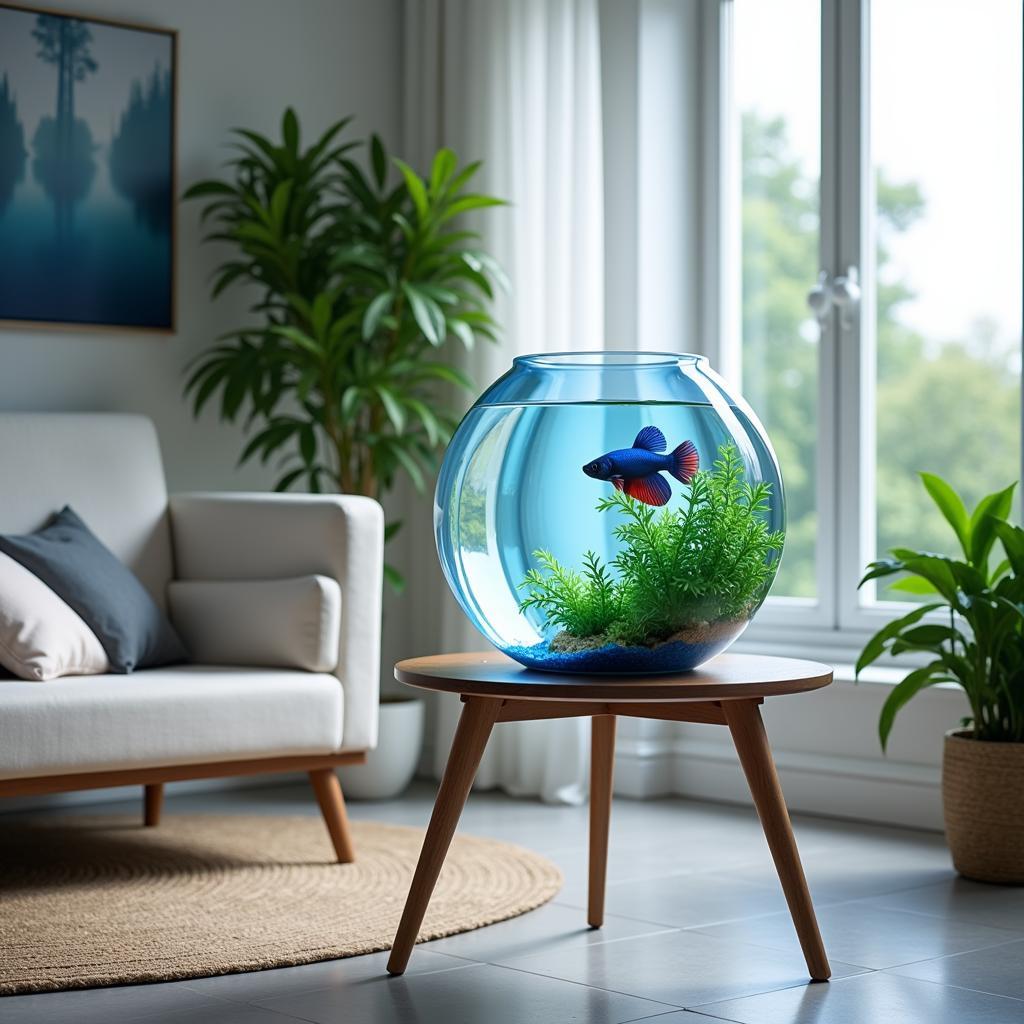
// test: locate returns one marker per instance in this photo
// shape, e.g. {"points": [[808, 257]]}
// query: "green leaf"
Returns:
{"points": [[349, 401], [209, 188], [268, 440], [405, 227], [378, 307], [934, 568], [969, 579], [904, 691], [990, 510], [463, 332], [391, 529], [445, 296], [427, 418], [279, 205], [393, 408], [307, 444], [875, 647], [265, 146], [427, 314], [1000, 570], [931, 635], [951, 506], [415, 187], [446, 373], [321, 318], [883, 567], [442, 169], [913, 585], [227, 276], [210, 383], [467, 203], [379, 160], [410, 465], [290, 131], [483, 261], [464, 175], [394, 578], [1012, 539], [289, 478], [298, 337]]}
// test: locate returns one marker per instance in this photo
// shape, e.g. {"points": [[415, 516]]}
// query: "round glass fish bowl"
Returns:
{"points": [[610, 513]]}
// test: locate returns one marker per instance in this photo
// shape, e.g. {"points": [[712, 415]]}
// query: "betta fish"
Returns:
{"points": [[637, 470]]}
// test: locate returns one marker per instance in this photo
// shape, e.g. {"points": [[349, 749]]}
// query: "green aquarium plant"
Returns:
{"points": [[977, 603], [361, 275], [694, 572]]}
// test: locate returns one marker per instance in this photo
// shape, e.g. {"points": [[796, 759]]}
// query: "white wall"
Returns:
{"points": [[240, 62]]}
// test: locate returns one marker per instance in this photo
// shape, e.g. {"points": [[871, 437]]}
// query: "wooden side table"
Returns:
{"points": [[727, 691]]}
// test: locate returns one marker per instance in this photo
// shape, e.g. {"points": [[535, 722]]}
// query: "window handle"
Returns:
{"points": [[842, 292], [819, 298], [846, 296]]}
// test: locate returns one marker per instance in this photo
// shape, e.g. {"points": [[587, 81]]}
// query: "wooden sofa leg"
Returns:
{"points": [[332, 807], [154, 803]]}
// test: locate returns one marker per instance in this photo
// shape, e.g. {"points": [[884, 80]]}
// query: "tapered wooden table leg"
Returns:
{"points": [[475, 724], [332, 806], [602, 760], [153, 804], [744, 720]]}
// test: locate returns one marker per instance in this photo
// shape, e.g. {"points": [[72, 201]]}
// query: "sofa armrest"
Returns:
{"points": [[237, 536]]}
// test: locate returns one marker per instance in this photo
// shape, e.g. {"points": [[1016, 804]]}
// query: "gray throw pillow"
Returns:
{"points": [[77, 567]]}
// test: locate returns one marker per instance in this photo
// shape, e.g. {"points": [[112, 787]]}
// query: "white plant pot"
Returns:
{"points": [[390, 767]]}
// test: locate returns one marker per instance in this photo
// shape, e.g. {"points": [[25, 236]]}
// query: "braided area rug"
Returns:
{"points": [[102, 901]]}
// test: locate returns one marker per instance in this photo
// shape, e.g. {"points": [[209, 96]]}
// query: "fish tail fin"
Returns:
{"points": [[685, 462]]}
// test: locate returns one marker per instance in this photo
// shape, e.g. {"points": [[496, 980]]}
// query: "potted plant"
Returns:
{"points": [[979, 645], [360, 282]]}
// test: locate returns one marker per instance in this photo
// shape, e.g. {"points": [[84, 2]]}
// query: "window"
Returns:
{"points": [[875, 155]]}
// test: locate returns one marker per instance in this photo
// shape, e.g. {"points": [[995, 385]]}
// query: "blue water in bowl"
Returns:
{"points": [[513, 483]]}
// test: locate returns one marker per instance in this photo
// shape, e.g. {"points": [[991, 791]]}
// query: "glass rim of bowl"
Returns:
{"points": [[608, 358]]}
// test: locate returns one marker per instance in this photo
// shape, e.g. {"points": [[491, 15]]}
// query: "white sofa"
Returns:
{"points": [[191, 720]]}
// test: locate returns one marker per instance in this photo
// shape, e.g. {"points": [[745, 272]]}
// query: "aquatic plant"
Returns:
{"points": [[584, 603], [707, 561]]}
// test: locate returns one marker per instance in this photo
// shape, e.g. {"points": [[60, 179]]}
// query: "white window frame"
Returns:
{"points": [[836, 624]]}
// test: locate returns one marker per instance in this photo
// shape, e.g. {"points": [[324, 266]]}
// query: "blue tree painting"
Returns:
{"points": [[86, 171]]}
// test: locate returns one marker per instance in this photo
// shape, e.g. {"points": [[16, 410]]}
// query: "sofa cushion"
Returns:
{"points": [[41, 637], [107, 467], [188, 714], [73, 563], [290, 623]]}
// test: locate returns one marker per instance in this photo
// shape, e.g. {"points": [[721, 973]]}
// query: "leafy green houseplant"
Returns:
{"points": [[694, 573], [360, 284], [976, 643]]}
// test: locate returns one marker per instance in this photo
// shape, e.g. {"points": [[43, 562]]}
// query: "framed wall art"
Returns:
{"points": [[87, 171]]}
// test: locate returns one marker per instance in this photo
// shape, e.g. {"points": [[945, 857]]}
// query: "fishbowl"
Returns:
{"points": [[610, 513]]}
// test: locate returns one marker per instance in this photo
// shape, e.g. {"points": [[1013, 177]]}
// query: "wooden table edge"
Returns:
{"points": [[537, 685]]}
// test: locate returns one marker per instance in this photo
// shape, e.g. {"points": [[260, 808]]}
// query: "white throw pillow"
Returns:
{"points": [[288, 623], [41, 637]]}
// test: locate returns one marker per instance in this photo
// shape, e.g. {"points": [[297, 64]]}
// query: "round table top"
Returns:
{"points": [[729, 676]]}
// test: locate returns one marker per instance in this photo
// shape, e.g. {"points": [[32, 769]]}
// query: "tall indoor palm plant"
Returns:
{"points": [[360, 283]]}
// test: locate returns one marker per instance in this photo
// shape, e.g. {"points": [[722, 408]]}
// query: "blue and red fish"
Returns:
{"points": [[637, 470]]}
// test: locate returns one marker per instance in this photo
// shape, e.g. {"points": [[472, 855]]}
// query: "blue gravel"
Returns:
{"points": [[613, 659]]}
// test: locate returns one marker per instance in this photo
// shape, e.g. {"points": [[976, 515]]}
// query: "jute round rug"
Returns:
{"points": [[103, 901]]}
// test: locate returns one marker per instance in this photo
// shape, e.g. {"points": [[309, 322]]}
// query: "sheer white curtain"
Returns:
{"points": [[517, 84]]}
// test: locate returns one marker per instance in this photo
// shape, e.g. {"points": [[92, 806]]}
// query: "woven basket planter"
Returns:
{"points": [[983, 802]]}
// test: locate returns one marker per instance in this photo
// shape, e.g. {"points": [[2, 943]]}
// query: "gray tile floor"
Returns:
{"points": [[697, 930]]}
